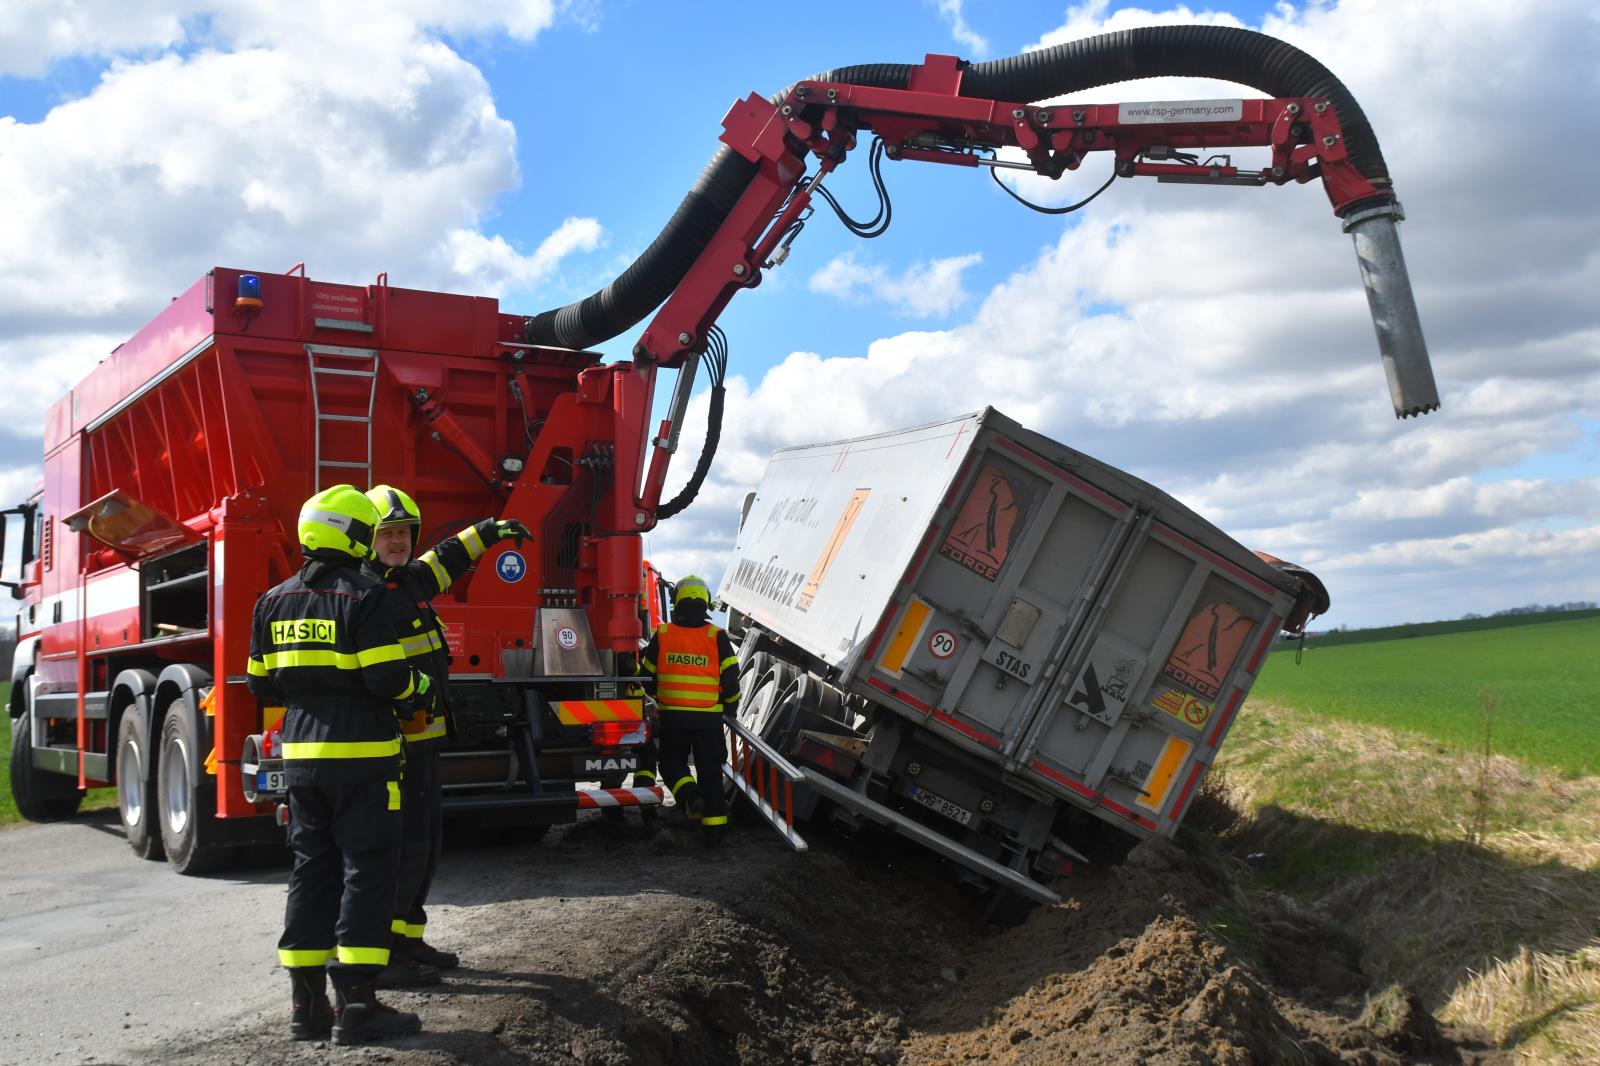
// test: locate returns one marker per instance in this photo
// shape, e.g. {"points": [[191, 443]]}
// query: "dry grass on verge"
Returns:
{"points": [[1475, 881], [1546, 1005]]}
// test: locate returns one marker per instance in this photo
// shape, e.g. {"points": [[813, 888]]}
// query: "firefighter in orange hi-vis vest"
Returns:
{"points": [[697, 682]]}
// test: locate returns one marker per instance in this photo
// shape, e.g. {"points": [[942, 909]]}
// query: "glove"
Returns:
{"points": [[426, 697], [491, 530]]}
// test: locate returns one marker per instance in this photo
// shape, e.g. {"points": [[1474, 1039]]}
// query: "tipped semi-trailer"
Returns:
{"points": [[986, 641]]}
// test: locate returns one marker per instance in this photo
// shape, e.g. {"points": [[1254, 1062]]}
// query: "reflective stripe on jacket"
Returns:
{"points": [[323, 644], [421, 632], [694, 667]]}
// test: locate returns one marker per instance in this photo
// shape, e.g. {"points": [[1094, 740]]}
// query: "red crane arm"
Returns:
{"points": [[929, 121]]}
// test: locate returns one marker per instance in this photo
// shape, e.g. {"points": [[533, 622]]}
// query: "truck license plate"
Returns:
{"points": [[938, 803], [270, 781]]}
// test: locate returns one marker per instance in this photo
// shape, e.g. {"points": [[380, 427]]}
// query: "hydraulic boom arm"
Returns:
{"points": [[748, 204]]}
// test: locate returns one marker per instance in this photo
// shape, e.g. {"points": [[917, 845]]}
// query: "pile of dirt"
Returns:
{"points": [[1162, 959], [617, 944]]}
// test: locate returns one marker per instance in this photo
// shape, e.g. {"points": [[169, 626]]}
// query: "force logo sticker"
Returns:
{"points": [[1208, 647], [980, 537], [1184, 706]]}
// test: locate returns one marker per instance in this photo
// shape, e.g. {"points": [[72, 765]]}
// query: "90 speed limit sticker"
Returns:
{"points": [[942, 644]]}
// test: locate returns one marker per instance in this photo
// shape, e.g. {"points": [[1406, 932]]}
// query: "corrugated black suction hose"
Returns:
{"points": [[1254, 59]]}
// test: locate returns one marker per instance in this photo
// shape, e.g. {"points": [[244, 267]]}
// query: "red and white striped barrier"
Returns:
{"points": [[596, 798]]}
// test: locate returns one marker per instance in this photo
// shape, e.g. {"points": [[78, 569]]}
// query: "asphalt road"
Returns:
{"points": [[101, 953]]}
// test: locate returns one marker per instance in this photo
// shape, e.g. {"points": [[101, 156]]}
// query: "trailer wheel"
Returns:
{"points": [[135, 787], [41, 796], [185, 803], [802, 703]]}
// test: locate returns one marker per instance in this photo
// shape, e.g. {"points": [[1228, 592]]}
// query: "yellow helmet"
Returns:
{"points": [[338, 521], [395, 508], [691, 588]]}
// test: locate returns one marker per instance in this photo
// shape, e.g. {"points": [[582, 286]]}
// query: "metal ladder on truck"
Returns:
{"points": [[338, 400]]}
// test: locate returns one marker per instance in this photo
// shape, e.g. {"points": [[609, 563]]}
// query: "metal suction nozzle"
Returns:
{"points": [[1394, 309]]}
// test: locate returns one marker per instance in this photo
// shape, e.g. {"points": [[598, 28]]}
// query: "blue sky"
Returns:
{"points": [[1214, 341]]}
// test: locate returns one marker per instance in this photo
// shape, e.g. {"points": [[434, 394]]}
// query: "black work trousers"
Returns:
{"points": [[421, 837], [699, 733], [346, 843]]}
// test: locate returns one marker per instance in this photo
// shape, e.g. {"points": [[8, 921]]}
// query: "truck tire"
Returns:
{"points": [[186, 803], [41, 796], [805, 702], [135, 786]]}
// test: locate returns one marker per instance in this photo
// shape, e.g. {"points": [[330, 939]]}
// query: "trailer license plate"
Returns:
{"points": [[938, 803], [270, 781]]}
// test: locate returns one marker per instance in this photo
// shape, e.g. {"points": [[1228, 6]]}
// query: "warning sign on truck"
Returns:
{"points": [[1183, 706], [983, 532], [1210, 644]]}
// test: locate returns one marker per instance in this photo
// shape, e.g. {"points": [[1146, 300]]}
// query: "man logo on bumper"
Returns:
{"points": [[624, 764]]}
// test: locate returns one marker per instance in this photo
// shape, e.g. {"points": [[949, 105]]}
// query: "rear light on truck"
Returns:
{"points": [[615, 734]]}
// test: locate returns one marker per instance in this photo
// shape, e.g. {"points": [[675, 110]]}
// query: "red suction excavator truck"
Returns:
{"points": [[174, 471]]}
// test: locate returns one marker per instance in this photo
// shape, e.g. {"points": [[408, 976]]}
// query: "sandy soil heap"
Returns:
{"points": [[616, 944]]}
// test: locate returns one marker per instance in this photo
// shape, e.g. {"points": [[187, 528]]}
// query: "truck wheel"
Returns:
{"points": [[41, 796], [135, 794], [797, 702], [186, 804], [756, 708]]}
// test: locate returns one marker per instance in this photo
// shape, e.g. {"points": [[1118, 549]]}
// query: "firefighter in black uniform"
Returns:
{"points": [[697, 682], [324, 645], [413, 961]]}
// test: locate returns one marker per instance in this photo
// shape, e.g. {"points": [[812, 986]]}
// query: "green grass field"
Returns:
{"points": [[1545, 676], [1439, 629], [97, 798]]}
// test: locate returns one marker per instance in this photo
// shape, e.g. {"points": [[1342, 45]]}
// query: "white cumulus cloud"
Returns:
{"points": [[923, 290], [253, 136], [976, 45]]}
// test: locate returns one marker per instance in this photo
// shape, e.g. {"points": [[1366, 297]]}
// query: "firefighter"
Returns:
{"points": [[697, 682], [324, 645], [412, 960]]}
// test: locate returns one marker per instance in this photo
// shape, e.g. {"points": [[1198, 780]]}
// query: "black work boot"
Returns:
{"points": [[312, 1017], [358, 1017], [405, 970], [693, 803], [421, 951]]}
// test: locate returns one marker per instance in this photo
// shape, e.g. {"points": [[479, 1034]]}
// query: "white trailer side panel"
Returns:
{"points": [[832, 529]]}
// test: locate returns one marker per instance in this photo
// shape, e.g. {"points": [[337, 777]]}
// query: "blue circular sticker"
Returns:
{"points": [[511, 567]]}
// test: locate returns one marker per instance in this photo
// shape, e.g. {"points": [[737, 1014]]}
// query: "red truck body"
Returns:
{"points": [[174, 473]]}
